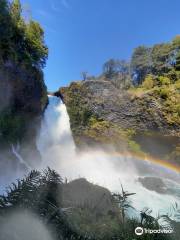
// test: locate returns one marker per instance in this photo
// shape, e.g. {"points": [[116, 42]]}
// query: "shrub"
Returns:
{"points": [[148, 82], [133, 146], [177, 85], [163, 93], [164, 80], [173, 75]]}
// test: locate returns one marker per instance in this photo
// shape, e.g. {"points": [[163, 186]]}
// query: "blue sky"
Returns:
{"points": [[83, 34]]}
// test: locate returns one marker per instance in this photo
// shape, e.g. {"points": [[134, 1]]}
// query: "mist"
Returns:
{"points": [[58, 151], [21, 225]]}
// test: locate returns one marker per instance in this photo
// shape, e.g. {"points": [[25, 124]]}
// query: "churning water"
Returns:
{"points": [[58, 151]]}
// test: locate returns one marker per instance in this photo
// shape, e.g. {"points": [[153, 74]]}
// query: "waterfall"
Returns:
{"points": [[15, 150], [55, 139], [58, 151], [12, 172]]}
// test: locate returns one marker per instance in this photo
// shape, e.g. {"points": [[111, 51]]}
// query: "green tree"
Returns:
{"points": [[118, 71], [37, 51], [5, 30], [176, 47], [20, 42], [16, 10], [17, 41], [122, 79], [3, 16], [110, 68], [140, 63], [123, 67], [161, 58]]}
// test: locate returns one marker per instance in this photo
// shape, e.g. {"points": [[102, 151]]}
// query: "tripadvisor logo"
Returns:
{"points": [[139, 231]]}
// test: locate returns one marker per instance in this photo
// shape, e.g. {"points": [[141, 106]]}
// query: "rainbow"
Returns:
{"points": [[153, 160]]}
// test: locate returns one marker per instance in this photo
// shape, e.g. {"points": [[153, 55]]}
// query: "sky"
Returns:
{"points": [[82, 34]]}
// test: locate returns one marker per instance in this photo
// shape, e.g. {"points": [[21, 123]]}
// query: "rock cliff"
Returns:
{"points": [[99, 112], [23, 98]]}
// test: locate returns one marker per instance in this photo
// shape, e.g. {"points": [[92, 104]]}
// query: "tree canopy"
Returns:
{"points": [[176, 47], [20, 41], [157, 60], [140, 63]]}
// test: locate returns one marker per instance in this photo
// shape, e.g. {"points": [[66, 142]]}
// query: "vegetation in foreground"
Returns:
{"points": [[40, 194]]}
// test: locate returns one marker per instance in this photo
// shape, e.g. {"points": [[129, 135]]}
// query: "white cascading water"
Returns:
{"points": [[11, 174], [15, 150], [55, 135], [58, 151]]}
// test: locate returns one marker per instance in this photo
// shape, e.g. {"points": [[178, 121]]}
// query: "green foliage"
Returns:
{"points": [[22, 56], [134, 147], [177, 85], [161, 56], [5, 29], [110, 68], [176, 42], [99, 227], [163, 89], [35, 43], [19, 41], [113, 69], [37, 190], [164, 80], [77, 109], [140, 63], [176, 47], [148, 82], [173, 75], [40, 193], [168, 91], [146, 220], [118, 71], [15, 10], [12, 127], [163, 93], [175, 154], [158, 60]]}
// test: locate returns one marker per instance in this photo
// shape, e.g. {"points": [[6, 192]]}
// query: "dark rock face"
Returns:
{"points": [[142, 114], [91, 208], [153, 184], [22, 88], [104, 114], [83, 194], [23, 97], [111, 104]]}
